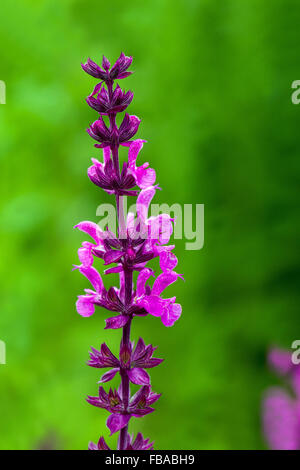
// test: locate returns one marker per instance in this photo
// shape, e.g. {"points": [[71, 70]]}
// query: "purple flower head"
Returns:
{"points": [[110, 401], [281, 409], [134, 249], [139, 405], [137, 241], [104, 176], [104, 105], [109, 300], [107, 74], [132, 362], [99, 131]]}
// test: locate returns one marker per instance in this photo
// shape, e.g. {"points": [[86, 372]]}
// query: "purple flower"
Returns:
{"points": [[144, 176], [133, 362], [85, 251], [119, 69], [280, 361], [104, 176], [140, 403], [151, 300], [138, 406], [128, 128], [139, 443], [109, 300], [85, 304], [107, 74], [281, 410], [102, 358], [139, 239], [101, 445], [99, 131], [104, 105], [136, 248]]}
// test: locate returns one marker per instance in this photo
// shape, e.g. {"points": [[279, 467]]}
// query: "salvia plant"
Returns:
{"points": [[281, 405], [138, 239]]}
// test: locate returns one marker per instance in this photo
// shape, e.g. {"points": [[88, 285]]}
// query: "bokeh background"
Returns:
{"points": [[212, 85]]}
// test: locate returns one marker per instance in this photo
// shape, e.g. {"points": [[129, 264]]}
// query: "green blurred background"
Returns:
{"points": [[213, 88]]}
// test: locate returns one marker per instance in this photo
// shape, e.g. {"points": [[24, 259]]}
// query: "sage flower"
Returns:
{"points": [[138, 240]]}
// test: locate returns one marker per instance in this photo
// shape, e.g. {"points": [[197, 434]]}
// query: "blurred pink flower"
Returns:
{"points": [[281, 407]]}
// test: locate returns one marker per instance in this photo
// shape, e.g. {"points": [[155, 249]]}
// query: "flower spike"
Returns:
{"points": [[137, 240]]}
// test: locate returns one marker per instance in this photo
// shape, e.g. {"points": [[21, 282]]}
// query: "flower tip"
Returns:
{"points": [[105, 63]]}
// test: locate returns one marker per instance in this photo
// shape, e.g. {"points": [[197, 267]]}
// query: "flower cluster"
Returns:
{"points": [[281, 409], [139, 239]]}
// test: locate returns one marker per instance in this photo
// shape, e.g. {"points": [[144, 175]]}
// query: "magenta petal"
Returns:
{"points": [[116, 322], [154, 305], [153, 397], [106, 154], [101, 445], [134, 123], [115, 422], [145, 177], [92, 174], [96, 89], [143, 202], [93, 276], [280, 420], [171, 314], [138, 413], [139, 349], [167, 260], [138, 376], [91, 229], [124, 75], [280, 360], [160, 228], [85, 305], [85, 255], [163, 281], [115, 269], [92, 446], [108, 375], [141, 281], [112, 256], [134, 149], [295, 380]]}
